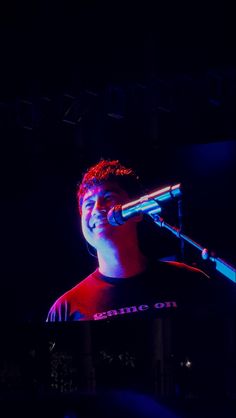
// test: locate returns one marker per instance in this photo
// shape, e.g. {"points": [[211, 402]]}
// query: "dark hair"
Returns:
{"points": [[106, 170]]}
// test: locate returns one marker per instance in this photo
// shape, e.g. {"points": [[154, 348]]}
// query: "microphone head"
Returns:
{"points": [[114, 216]]}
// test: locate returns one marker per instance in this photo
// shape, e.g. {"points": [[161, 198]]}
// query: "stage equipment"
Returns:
{"points": [[150, 204]]}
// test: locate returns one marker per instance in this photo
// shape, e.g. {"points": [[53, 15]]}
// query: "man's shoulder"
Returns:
{"points": [[179, 278], [63, 305], [179, 269], [79, 287], [196, 285]]}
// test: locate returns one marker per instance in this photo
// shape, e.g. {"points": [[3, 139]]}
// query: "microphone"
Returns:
{"points": [[119, 214]]}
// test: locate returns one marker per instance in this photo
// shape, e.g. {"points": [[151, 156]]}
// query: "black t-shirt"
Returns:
{"points": [[164, 286], [151, 332]]}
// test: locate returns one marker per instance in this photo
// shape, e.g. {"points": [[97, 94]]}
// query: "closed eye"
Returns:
{"points": [[88, 204], [111, 196], [107, 198]]}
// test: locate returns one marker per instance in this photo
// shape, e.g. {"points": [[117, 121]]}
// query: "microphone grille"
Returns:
{"points": [[114, 216]]}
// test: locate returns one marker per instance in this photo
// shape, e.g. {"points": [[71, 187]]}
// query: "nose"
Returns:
{"points": [[99, 206]]}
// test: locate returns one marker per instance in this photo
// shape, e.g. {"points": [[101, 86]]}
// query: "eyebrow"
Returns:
{"points": [[104, 192]]}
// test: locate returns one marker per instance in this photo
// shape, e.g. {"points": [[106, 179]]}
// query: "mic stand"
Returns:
{"points": [[220, 265]]}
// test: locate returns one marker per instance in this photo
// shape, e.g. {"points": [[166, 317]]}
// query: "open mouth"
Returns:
{"points": [[100, 223]]}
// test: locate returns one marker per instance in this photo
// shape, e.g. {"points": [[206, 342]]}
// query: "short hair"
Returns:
{"points": [[108, 170]]}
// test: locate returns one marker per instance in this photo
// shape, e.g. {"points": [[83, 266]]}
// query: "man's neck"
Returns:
{"points": [[124, 263]]}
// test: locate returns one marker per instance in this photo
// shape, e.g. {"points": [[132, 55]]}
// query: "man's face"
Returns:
{"points": [[97, 202]]}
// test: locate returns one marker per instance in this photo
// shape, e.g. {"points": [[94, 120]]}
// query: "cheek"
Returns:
{"points": [[87, 233], [84, 226]]}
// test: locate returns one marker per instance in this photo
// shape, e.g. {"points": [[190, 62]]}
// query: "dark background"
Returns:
{"points": [[153, 84]]}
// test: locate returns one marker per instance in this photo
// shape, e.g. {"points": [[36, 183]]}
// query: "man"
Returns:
{"points": [[145, 316], [126, 281]]}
